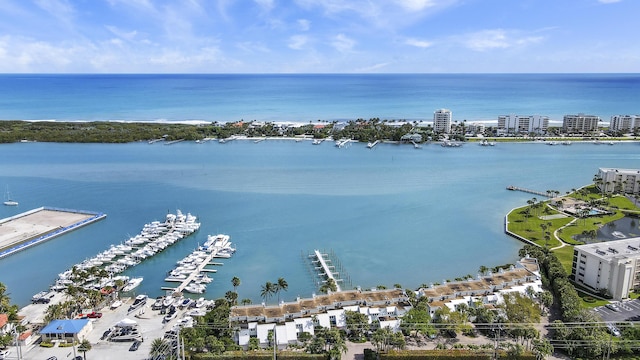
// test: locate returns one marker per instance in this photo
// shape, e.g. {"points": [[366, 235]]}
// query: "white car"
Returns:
{"points": [[4, 354]]}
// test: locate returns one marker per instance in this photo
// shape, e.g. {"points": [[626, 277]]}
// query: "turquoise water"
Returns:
{"points": [[299, 97], [393, 214]]}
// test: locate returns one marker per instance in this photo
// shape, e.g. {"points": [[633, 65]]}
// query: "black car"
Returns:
{"points": [[135, 345]]}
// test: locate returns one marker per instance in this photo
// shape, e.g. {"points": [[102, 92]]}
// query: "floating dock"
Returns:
{"points": [[36, 226]]}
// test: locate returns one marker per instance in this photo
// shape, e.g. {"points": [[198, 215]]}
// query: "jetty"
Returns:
{"points": [[342, 142], [371, 145], [326, 266], [515, 188], [173, 142], [36, 226]]}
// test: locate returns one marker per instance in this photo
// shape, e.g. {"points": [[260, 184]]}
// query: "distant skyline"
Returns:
{"points": [[319, 36]]}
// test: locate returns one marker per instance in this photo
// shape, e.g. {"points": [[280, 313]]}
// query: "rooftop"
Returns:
{"points": [[626, 248]]}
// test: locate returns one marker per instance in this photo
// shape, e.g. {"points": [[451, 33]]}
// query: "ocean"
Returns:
{"points": [[393, 214], [304, 98]]}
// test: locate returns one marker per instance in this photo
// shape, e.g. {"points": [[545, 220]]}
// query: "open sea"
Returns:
{"points": [[393, 214]]}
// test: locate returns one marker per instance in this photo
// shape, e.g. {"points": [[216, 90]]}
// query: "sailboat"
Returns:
{"points": [[7, 199]]}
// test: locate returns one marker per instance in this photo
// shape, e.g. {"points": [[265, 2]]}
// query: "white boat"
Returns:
{"points": [[168, 301], [195, 288], [200, 302], [116, 304], [618, 234], [8, 201], [133, 283]]}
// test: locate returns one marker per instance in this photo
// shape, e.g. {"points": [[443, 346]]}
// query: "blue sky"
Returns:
{"points": [[318, 36]]}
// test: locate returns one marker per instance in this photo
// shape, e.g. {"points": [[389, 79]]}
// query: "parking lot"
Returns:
{"points": [[620, 311]]}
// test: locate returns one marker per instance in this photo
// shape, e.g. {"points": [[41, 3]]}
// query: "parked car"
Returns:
{"points": [[4, 354], [94, 315], [612, 307], [135, 345]]}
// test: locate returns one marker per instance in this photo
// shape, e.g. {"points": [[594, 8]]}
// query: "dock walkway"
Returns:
{"points": [[515, 188], [327, 269]]}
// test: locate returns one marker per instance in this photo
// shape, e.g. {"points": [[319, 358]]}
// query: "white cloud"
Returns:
{"points": [[60, 9], [297, 42], [608, 1], [497, 39], [129, 36], [372, 67], [343, 43], [265, 4], [418, 43], [251, 47], [416, 5], [304, 24]]}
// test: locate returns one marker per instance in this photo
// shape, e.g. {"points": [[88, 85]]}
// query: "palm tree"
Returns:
{"points": [[268, 289], [483, 269], [231, 297], [159, 347], [84, 346], [329, 285], [246, 301], [281, 285], [235, 281]]}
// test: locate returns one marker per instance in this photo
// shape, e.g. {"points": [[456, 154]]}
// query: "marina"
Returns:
{"points": [[191, 271], [36, 226], [102, 268]]}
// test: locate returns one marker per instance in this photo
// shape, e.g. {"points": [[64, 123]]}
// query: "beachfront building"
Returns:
{"points": [[624, 122], [383, 308], [613, 180], [611, 267], [522, 124], [442, 121], [476, 128], [580, 123]]}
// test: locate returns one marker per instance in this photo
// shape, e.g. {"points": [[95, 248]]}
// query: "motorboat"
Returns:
{"points": [[133, 283], [116, 304], [200, 302], [195, 288], [168, 301]]}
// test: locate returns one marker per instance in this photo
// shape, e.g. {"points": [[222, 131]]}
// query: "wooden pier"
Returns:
{"points": [[515, 188]]}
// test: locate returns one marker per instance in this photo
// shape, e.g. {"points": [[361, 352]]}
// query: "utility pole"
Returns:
{"points": [[275, 340]]}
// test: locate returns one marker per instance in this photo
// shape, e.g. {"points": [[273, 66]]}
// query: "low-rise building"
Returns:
{"points": [[384, 307], [611, 267], [66, 330]]}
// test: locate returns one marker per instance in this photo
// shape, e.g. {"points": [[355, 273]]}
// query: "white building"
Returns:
{"points": [[442, 121], [384, 307], [580, 123], [487, 289], [624, 122], [625, 181], [303, 315], [476, 128], [612, 266], [522, 124]]}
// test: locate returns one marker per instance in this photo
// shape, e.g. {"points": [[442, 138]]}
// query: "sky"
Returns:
{"points": [[319, 36]]}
